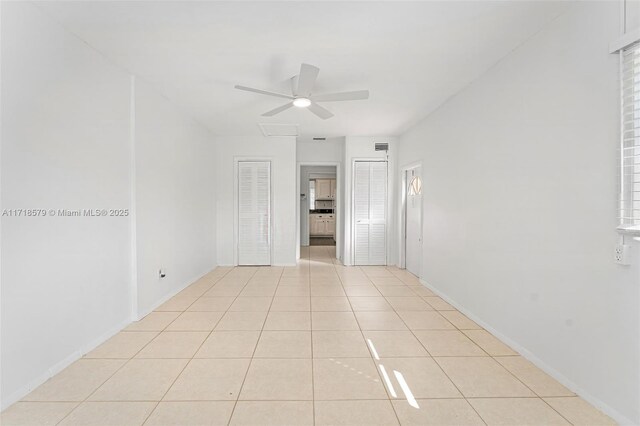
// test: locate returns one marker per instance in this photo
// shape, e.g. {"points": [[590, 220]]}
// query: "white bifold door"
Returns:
{"points": [[370, 212], [254, 213]]}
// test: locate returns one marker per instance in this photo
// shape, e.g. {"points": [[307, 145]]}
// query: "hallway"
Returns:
{"points": [[314, 344]]}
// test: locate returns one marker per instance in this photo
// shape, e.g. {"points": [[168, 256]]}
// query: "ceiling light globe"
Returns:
{"points": [[302, 102]]}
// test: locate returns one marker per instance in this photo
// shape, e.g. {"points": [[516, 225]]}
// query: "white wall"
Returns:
{"points": [[519, 178], [331, 150], [70, 141], [631, 11], [65, 145], [281, 151], [363, 148], [175, 198]]}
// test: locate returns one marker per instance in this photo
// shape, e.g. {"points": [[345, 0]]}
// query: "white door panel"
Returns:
{"points": [[254, 213], [377, 246], [369, 212], [362, 244], [361, 192], [378, 192], [413, 221]]}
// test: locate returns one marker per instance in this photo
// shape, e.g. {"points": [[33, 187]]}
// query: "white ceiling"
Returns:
{"points": [[411, 56]]}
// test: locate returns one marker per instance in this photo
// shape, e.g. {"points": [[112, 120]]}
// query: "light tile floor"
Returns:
{"points": [[318, 343]]}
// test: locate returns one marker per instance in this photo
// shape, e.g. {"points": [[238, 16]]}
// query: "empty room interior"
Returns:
{"points": [[320, 213]]}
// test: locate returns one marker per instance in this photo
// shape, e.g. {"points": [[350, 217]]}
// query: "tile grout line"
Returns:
{"points": [[438, 364], [525, 385], [127, 361], [197, 298], [313, 358], [246, 373], [432, 357], [113, 374], [305, 400], [313, 385], [194, 353], [488, 355], [401, 319], [384, 386], [334, 267]]}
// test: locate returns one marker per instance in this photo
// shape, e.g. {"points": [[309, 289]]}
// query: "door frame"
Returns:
{"points": [[236, 207], [339, 219], [402, 252], [353, 212]]}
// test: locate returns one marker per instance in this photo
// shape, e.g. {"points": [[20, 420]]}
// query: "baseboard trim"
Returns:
{"points": [[173, 293], [252, 266], [84, 349], [596, 402], [58, 367]]}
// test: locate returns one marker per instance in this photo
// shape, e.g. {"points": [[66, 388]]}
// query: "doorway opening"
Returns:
{"points": [[319, 208], [411, 247], [321, 204]]}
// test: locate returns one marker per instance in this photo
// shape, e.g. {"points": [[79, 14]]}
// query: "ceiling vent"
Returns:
{"points": [[269, 129], [319, 139], [382, 146]]}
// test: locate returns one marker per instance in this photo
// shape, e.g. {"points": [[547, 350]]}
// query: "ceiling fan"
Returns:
{"points": [[301, 97]]}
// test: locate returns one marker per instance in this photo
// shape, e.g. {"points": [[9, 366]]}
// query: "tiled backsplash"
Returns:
{"points": [[327, 204]]}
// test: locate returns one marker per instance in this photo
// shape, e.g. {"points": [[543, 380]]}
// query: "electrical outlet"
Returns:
{"points": [[621, 254]]}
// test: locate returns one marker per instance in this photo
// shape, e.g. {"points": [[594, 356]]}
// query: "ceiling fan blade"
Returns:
{"points": [[278, 110], [342, 96], [307, 79], [263, 92], [320, 111]]}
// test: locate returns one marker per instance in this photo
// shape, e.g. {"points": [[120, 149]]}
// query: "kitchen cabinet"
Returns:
{"points": [[322, 225], [314, 222], [330, 225], [323, 189]]}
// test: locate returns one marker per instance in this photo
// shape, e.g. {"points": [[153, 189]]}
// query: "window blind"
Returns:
{"points": [[629, 207]]}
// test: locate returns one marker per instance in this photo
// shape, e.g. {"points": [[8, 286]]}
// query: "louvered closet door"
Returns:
{"points": [[254, 213], [369, 212]]}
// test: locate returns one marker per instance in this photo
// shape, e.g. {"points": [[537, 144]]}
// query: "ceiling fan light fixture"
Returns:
{"points": [[302, 94], [302, 102]]}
